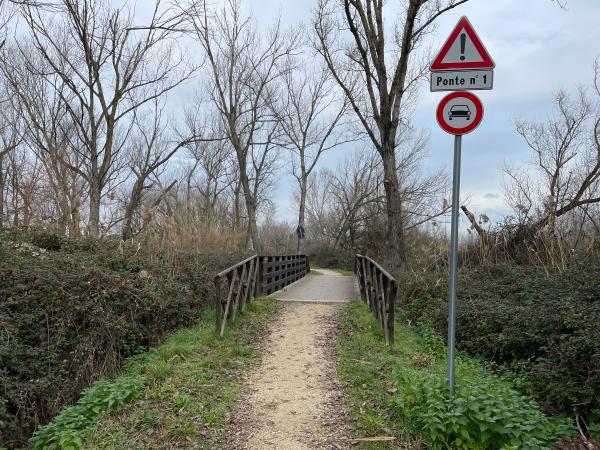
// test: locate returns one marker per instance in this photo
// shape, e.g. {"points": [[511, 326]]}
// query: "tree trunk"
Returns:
{"points": [[2, 182], [134, 202], [75, 200], [301, 212], [252, 229], [250, 199], [94, 223], [237, 220], [395, 229]]}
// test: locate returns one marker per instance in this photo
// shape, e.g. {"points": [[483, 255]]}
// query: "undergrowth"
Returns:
{"points": [[540, 328], [72, 310], [177, 394], [402, 391]]}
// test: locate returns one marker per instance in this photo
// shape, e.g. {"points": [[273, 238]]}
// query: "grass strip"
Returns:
{"points": [[401, 392], [347, 273], [178, 395]]}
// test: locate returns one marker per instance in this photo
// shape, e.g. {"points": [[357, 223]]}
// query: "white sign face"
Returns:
{"points": [[463, 50], [460, 113], [462, 80]]}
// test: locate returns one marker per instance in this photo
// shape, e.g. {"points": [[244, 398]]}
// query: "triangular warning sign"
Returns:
{"points": [[463, 50]]}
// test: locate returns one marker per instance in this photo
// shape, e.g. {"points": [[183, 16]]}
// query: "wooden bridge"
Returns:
{"points": [[291, 395], [284, 277]]}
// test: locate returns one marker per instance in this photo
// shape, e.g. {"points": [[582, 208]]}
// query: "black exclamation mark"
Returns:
{"points": [[463, 41]]}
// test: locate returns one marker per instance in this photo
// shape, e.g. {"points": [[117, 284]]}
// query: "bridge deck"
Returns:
{"points": [[330, 287]]}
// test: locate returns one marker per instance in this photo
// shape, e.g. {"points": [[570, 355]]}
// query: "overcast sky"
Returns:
{"points": [[538, 49]]}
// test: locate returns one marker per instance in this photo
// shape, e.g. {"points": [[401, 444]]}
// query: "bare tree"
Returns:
{"points": [[337, 201], [10, 138], [109, 70], [243, 67], [48, 129], [152, 148], [376, 77], [565, 160], [309, 115]]}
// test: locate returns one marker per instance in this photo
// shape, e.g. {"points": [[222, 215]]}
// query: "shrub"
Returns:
{"points": [[527, 323], [485, 412], [47, 240], [71, 316]]}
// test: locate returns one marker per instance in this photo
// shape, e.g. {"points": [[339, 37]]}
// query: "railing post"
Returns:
{"points": [[392, 311], [378, 290], [218, 304], [259, 277]]}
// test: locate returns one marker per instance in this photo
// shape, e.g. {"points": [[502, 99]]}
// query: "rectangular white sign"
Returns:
{"points": [[462, 80]]}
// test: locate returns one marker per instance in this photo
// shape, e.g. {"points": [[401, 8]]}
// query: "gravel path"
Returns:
{"points": [[291, 400]]}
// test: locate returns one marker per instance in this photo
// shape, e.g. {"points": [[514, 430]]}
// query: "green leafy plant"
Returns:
{"points": [[73, 309], [484, 413], [64, 432], [402, 390]]}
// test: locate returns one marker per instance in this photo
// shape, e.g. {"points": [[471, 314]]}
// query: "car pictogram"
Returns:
{"points": [[459, 111]]}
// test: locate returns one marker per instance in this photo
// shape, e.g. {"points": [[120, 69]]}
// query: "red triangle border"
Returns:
{"points": [[487, 62]]}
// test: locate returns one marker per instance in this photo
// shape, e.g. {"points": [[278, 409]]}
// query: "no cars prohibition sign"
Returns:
{"points": [[463, 63], [460, 113]]}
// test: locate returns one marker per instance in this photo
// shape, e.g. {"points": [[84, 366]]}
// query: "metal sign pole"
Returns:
{"points": [[453, 262]]}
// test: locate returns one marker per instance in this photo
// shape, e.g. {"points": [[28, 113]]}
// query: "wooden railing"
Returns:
{"points": [[378, 290], [279, 271], [236, 286]]}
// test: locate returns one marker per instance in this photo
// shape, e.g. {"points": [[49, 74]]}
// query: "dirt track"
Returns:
{"points": [[292, 399]]}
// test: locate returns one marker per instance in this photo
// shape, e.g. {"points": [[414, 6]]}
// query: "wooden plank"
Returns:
{"points": [[378, 297], [392, 309], [248, 285], [233, 276], [374, 293], [365, 285], [384, 305], [359, 279], [238, 295], [258, 280]]}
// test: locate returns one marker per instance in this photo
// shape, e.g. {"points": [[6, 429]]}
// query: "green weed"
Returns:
{"points": [[402, 391], [179, 392]]}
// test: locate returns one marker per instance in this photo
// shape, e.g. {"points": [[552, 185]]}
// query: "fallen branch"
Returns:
{"points": [[375, 439], [480, 231]]}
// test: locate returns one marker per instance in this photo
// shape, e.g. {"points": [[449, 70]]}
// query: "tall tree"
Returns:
{"points": [[309, 114], [244, 66], [109, 68], [374, 70]]}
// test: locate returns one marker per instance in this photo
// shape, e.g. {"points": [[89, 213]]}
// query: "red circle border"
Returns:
{"points": [[460, 131]]}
